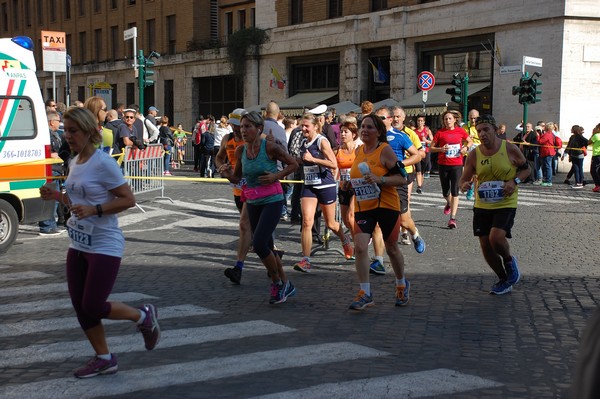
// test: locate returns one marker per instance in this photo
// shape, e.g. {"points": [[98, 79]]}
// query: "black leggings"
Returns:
{"points": [[449, 177], [263, 221]]}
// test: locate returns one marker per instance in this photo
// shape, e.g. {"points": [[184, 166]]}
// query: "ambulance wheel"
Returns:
{"points": [[9, 225]]}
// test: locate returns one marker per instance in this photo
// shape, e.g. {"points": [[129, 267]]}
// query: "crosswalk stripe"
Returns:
{"points": [[36, 326], [190, 372], [23, 276], [38, 289], [53, 304], [134, 342], [411, 385]]}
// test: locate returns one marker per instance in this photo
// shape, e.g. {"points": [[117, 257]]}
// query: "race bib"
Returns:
{"points": [[312, 175], [80, 232], [491, 191], [345, 174], [241, 183], [453, 151], [363, 190]]}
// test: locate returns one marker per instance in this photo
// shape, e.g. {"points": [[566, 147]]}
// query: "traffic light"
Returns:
{"points": [[535, 84], [146, 71], [519, 90], [526, 96], [456, 92]]}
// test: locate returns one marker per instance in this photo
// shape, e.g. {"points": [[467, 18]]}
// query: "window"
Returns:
{"points": [[228, 23], [23, 123], [81, 7], [171, 34], [98, 44], [253, 17], [15, 10], [4, 17], [114, 4], [114, 40], [323, 75], [242, 19], [130, 93], [168, 100], [151, 34], [40, 11], [52, 10], [28, 12], [335, 8], [97, 6], [67, 10], [69, 43], [296, 12], [82, 47], [378, 5], [131, 2]]}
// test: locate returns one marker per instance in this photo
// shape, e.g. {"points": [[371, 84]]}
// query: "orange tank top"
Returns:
{"points": [[344, 163], [388, 197], [232, 145]]}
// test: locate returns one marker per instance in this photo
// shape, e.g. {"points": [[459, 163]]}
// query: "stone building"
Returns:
{"points": [[329, 51]]}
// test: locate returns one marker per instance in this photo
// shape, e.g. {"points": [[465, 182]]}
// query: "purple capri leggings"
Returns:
{"points": [[90, 278]]}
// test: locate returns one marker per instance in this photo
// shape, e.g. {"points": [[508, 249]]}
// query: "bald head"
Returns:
{"points": [[272, 110], [112, 114]]}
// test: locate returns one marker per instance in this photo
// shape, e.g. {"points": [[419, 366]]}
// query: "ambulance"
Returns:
{"points": [[24, 141]]}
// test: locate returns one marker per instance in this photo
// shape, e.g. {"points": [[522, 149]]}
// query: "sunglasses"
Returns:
{"points": [[129, 117]]}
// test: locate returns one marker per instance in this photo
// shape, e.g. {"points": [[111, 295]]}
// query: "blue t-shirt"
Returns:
{"points": [[399, 141]]}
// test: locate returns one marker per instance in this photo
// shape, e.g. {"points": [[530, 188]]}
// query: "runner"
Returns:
{"points": [[500, 166], [344, 156], [96, 192], [377, 206], [318, 160], [451, 142], [227, 151], [263, 195]]}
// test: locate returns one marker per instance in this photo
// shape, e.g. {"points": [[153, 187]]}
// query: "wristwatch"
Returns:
{"points": [[517, 180]]}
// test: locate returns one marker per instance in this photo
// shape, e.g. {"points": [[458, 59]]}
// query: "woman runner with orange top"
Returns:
{"points": [[377, 206], [344, 156]]}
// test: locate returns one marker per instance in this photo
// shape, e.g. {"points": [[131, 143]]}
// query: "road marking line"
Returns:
{"points": [[134, 342], [412, 385], [190, 372], [23, 276], [54, 304], [35, 326], [37, 289]]}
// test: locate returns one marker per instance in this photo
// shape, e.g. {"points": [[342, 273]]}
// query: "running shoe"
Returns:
{"points": [[275, 292], [513, 274], [234, 274], [426, 175], [405, 240], [567, 181], [577, 186], [419, 191], [149, 328], [596, 189], [447, 209], [96, 366], [284, 292], [452, 224], [546, 184], [501, 287], [303, 266], [419, 243], [376, 267], [403, 294], [348, 250], [537, 182], [362, 301]]}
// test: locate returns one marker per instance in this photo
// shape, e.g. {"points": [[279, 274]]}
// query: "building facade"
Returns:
{"points": [[327, 51]]}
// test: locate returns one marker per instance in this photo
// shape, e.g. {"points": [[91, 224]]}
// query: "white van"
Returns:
{"points": [[24, 141]]}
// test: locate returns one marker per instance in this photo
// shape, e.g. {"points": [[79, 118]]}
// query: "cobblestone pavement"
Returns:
{"points": [[521, 345]]}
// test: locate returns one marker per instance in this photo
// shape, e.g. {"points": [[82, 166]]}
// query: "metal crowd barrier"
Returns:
{"points": [[144, 170]]}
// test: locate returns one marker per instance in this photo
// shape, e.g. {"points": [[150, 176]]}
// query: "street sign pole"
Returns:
{"points": [[525, 103]]}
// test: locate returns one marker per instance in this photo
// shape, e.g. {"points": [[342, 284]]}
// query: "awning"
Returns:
{"points": [[296, 104], [344, 107], [437, 100]]}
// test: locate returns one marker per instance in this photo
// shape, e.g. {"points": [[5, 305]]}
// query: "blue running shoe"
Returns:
{"points": [[419, 244], [285, 292], [376, 267], [403, 294], [513, 275], [362, 301], [501, 287]]}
